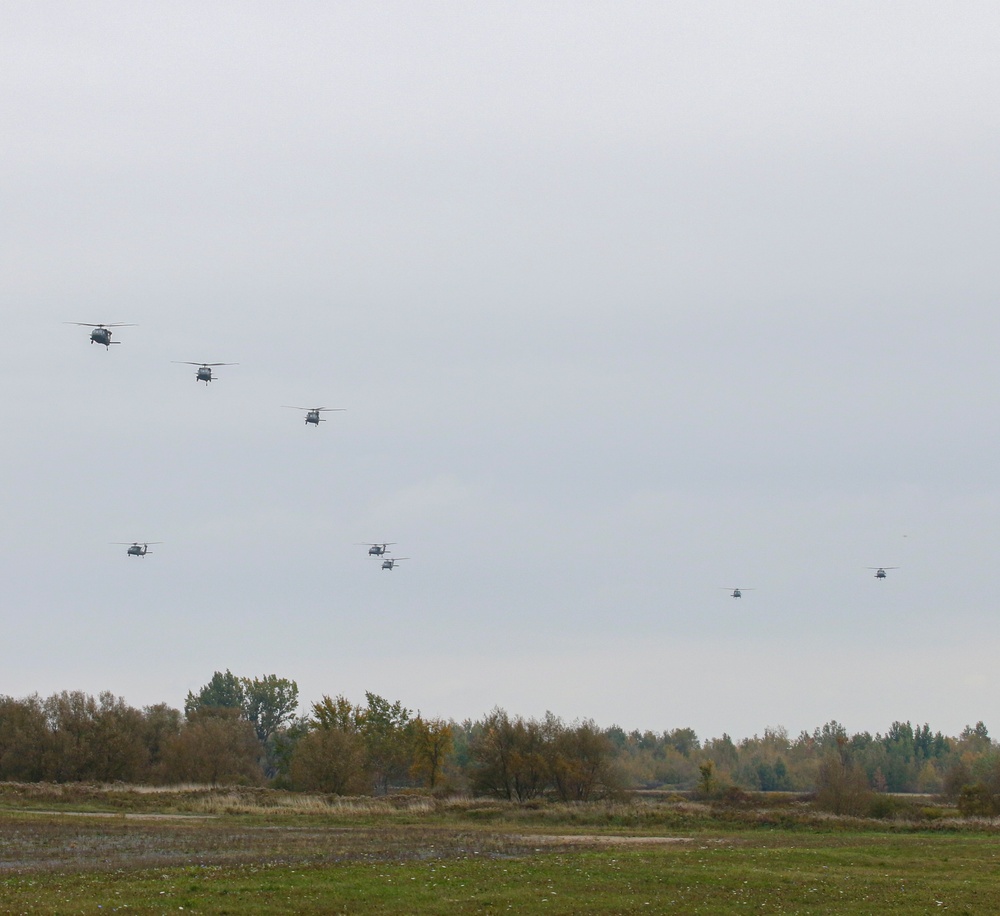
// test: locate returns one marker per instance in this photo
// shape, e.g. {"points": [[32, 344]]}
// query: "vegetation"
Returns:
{"points": [[255, 850], [244, 731]]}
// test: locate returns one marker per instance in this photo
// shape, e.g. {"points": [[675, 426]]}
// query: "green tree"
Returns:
{"points": [[385, 729], [684, 741], [269, 702], [707, 783], [223, 691]]}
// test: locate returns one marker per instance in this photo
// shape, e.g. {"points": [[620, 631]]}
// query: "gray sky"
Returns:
{"points": [[626, 302]]}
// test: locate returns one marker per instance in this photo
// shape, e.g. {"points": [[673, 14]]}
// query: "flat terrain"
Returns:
{"points": [[271, 853]]}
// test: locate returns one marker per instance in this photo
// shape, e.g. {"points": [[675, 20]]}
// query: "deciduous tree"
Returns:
{"points": [[24, 739], [384, 727], [269, 702], [223, 691], [329, 760], [432, 742], [217, 745]]}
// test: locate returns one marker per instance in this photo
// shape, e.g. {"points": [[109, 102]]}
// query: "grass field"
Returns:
{"points": [[80, 850]]}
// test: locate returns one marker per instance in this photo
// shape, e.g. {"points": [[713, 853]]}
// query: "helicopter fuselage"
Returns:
{"points": [[312, 416], [137, 550], [101, 336], [204, 374]]}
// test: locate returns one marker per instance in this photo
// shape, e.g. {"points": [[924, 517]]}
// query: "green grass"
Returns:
{"points": [[875, 874], [275, 854]]}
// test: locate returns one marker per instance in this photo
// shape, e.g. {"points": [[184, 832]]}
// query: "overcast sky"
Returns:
{"points": [[627, 303]]}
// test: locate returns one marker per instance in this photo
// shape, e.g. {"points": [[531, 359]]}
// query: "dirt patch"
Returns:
{"points": [[598, 839]]}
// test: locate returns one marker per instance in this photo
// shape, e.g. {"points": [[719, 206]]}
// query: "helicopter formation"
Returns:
{"points": [[102, 334], [881, 572], [382, 550]]}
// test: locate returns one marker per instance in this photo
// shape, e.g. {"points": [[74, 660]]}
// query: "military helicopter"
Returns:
{"points": [[135, 549], [313, 413], [389, 562], [880, 570], [376, 550], [737, 592], [204, 373], [102, 332]]}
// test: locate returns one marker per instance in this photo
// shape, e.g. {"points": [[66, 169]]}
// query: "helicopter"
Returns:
{"points": [[376, 550], [389, 562], [737, 592], [135, 549], [313, 413], [880, 570], [204, 373], [101, 333]]}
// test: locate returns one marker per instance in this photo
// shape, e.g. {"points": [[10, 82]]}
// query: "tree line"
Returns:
{"points": [[248, 731]]}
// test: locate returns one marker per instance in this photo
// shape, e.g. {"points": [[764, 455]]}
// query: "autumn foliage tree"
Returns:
{"points": [[580, 761], [329, 760], [216, 746], [330, 757], [519, 759], [433, 740]]}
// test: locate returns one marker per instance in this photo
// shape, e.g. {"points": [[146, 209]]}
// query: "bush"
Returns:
{"points": [[883, 806], [977, 801], [329, 760], [842, 788]]}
